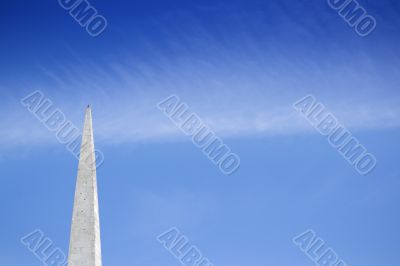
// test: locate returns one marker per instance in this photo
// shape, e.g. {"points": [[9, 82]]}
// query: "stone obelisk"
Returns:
{"points": [[85, 247]]}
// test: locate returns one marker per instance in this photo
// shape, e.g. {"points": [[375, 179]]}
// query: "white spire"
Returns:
{"points": [[85, 246]]}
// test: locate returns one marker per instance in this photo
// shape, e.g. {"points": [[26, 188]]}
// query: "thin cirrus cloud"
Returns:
{"points": [[239, 84], [249, 101]]}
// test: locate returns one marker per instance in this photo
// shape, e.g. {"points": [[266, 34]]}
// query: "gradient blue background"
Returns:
{"points": [[239, 65]]}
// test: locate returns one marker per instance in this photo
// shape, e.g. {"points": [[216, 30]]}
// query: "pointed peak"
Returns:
{"points": [[88, 112], [88, 109]]}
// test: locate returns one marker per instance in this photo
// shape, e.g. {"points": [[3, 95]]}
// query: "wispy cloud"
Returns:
{"points": [[243, 104], [238, 82]]}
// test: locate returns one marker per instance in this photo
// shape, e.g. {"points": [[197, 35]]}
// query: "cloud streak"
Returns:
{"points": [[241, 84]]}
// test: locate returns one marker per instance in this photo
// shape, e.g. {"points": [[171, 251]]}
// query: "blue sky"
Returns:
{"points": [[240, 65]]}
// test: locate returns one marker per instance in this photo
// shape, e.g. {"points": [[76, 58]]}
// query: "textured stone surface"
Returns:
{"points": [[85, 247]]}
